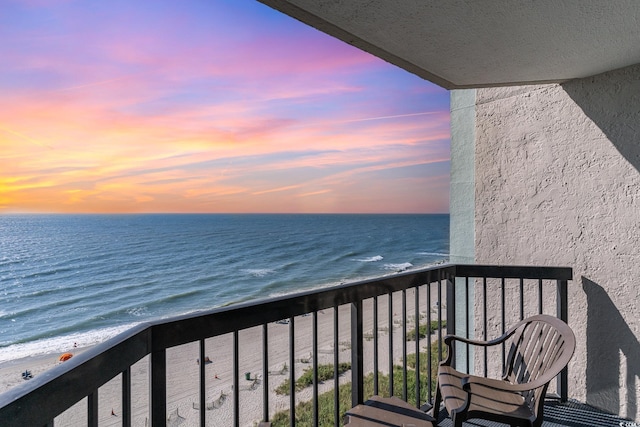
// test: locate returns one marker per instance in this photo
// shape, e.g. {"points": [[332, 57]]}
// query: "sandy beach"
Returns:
{"points": [[183, 368]]}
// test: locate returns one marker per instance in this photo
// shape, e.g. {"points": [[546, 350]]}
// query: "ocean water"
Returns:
{"points": [[82, 279]]}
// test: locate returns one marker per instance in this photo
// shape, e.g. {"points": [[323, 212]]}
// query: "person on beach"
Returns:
{"points": [[206, 361]]}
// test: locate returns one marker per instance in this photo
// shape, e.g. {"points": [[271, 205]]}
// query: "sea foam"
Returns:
{"points": [[439, 254], [371, 259], [259, 272], [398, 267], [60, 344]]}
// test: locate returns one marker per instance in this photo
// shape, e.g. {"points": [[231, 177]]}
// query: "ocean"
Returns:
{"points": [[82, 279]]}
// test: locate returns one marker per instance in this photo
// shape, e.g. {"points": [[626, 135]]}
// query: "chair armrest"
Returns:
{"points": [[450, 339], [495, 341]]}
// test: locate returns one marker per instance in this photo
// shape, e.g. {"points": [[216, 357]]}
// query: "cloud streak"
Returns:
{"points": [[397, 116], [24, 138]]}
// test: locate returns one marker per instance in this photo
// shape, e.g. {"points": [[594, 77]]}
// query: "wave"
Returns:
{"points": [[63, 343], [70, 274], [371, 259], [41, 274], [398, 267], [258, 272], [138, 311]]}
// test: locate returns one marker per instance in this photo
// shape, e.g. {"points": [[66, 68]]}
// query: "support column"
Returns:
{"points": [[462, 207]]}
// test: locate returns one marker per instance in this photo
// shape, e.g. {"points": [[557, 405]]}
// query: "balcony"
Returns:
{"points": [[370, 329]]}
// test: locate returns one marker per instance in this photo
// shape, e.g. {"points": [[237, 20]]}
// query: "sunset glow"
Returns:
{"points": [[208, 106]]}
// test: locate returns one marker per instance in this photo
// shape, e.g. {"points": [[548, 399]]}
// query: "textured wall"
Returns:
{"points": [[558, 183]]}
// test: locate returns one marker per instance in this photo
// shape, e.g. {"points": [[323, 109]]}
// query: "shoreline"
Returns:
{"points": [[11, 370], [183, 368], [90, 338]]}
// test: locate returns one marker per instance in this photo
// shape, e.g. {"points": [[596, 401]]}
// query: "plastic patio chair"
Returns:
{"points": [[539, 348]]}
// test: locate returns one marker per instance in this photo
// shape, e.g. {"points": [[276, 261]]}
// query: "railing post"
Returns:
{"points": [[292, 371], [390, 327], [375, 345], [404, 344], [417, 349], [92, 409], [336, 360], [357, 359], [265, 373], [202, 384], [158, 384], [314, 362], [562, 310], [126, 397], [451, 306], [236, 379]]}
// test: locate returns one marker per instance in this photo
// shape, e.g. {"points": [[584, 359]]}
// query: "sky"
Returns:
{"points": [[208, 106]]}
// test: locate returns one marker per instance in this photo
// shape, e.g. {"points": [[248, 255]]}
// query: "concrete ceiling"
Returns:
{"points": [[480, 43]]}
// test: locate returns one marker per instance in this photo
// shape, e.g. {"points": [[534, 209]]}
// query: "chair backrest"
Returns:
{"points": [[541, 346]]}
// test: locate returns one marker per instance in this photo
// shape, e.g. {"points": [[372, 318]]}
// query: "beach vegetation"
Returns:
{"points": [[422, 330], [424, 359], [325, 372], [304, 410]]}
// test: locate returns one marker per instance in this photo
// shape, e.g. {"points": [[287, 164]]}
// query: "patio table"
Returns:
{"points": [[387, 411]]}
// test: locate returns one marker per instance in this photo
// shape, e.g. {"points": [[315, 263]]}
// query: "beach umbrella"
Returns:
{"points": [[65, 356]]}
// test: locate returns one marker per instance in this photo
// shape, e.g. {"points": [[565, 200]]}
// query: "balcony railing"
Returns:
{"points": [[374, 315]]}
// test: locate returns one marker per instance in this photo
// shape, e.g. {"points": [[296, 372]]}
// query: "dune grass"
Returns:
{"points": [[422, 330], [325, 372], [304, 411]]}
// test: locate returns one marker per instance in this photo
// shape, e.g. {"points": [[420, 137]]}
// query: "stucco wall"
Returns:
{"points": [[557, 182]]}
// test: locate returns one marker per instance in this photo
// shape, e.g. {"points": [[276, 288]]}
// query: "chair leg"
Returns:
{"points": [[457, 421], [436, 402]]}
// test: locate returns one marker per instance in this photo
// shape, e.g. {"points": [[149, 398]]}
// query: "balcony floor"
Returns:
{"points": [[567, 414]]}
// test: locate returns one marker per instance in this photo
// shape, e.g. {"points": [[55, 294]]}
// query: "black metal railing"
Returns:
{"points": [[437, 292]]}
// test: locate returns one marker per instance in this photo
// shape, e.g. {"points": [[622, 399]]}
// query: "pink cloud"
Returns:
{"points": [[167, 113]]}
